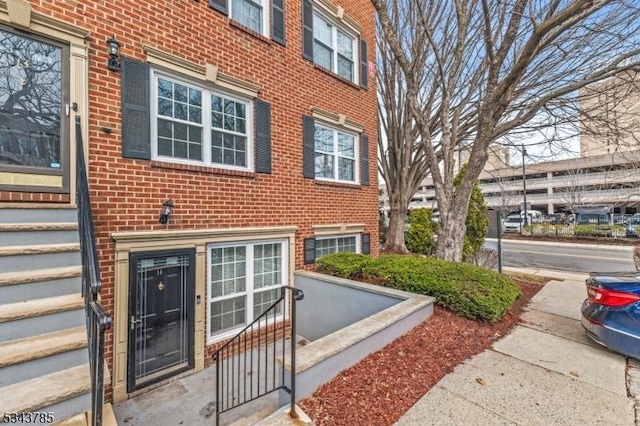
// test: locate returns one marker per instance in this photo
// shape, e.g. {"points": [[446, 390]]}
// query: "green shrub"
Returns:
{"points": [[344, 265], [477, 222], [419, 238], [471, 291]]}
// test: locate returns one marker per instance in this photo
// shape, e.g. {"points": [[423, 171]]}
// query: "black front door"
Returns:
{"points": [[161, 315]]}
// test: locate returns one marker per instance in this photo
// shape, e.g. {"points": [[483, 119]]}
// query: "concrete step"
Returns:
{"points": [[38, 214], [29, 358], [48, 288], [39, 275], [25, 319], [84, 419], [38, 249], [66, 393], [27, 234], [44, 260], [39, 307], [44, 345]]}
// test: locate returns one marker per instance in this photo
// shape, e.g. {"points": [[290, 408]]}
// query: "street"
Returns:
{"points": [[565, 256]]}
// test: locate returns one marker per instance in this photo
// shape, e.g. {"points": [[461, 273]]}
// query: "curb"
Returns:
{"points": [[628, 248]]}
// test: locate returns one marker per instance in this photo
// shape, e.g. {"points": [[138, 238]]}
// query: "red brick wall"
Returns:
{"points": [[127, 194]]}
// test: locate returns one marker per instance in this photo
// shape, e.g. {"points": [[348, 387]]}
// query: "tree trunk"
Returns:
{"points": [[451, 237], [395, 234]]}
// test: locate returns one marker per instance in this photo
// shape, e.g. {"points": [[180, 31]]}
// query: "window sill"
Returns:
{"points": [[338, 184], [249, 31], [336, 76], [201, 169]]}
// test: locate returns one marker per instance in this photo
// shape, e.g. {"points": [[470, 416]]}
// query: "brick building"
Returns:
{"points": [[254, 119]]}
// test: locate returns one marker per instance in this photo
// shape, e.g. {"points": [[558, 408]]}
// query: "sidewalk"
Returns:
{"points": [[545, 372]]}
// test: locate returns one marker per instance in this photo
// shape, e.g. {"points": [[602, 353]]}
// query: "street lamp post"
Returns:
{"points": [[524, 186]]}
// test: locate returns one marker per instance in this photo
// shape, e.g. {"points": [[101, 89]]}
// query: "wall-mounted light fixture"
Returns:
{"points": [[113, 49], [167, 209]]}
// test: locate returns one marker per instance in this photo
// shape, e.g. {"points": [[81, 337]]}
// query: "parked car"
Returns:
{"points": [[611, 312], [633, 227], [512, 223]]}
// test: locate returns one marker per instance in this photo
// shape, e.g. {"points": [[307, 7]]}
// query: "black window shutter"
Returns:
{"points": [[307, 30], [136, 138], [219, 5], [363, 64], [366, 244], [364, 159], [277, 22], [309, 251], [308, 147], [263, 136]]}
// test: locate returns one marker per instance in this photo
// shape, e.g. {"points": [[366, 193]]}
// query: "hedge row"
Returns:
{"points": [[471, 291]]}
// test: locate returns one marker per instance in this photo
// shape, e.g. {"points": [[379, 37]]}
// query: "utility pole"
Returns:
{"points": [[524, 187]]}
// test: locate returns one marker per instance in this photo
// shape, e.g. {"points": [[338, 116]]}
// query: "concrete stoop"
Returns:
{"points": [[283, 417], [44, 360]]}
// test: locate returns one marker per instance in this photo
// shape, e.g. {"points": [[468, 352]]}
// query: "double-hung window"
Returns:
{"points": [[334, 48], [198, 125], [337, 244], [245, 279], [333, 40], [253, 14], [336, 152], [264, 17]]}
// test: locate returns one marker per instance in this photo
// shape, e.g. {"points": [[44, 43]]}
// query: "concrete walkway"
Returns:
{"points": [[545, 372]]}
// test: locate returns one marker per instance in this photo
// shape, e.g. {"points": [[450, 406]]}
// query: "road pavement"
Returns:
{"points": [[565, 256]]}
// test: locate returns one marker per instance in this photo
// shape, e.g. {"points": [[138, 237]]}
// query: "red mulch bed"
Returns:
{"points": [[382, 387]]}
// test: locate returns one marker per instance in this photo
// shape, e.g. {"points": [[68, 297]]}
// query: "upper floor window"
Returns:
{"points": [[335, 154], [333, 48], [256, 15], [194, 124], [332, 40], [252, 14]]}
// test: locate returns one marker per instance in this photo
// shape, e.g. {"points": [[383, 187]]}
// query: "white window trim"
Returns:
{"points": [[265, 16], [337, 24], [358, 238], [357, 159], [206, 124], [213, 338]]}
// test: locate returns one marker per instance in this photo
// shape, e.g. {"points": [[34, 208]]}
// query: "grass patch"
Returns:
{"points": [[528, 278], [471, 291]]}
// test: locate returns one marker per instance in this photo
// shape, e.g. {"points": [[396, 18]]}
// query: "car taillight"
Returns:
{"points": [[610, 297]]}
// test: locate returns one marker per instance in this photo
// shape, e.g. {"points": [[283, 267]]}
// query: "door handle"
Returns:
{"points": [[134, 321]]}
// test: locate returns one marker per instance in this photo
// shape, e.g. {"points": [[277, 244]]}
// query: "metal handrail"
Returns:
{"points": [[242, 354], [97, 318]]}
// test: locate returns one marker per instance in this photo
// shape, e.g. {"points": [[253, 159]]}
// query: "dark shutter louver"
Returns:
{"points": [[136, 138], [363, 64], [219, 5], [277, 22], [307, 30], [308, 147], [366, 244], [364, 159], [309, 251], [263, 136]]}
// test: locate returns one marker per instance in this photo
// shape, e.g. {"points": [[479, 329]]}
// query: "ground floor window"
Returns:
{"points": [[244, 280], [336, 244]]}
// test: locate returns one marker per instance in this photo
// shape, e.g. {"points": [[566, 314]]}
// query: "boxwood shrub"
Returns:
{"points": [[471, 291]]}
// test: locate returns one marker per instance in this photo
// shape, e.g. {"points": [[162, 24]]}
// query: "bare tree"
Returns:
{"points": [[401, 162], [492, 68]]}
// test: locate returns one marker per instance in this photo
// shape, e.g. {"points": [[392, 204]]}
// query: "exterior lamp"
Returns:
{"points": [[113, 49], [167, 209]]}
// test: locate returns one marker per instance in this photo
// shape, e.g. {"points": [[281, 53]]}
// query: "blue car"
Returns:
{"points": [[611, 312]]}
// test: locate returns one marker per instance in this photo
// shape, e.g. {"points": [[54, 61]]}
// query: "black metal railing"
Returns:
{"points": [[246, 366], [98, 319]]}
